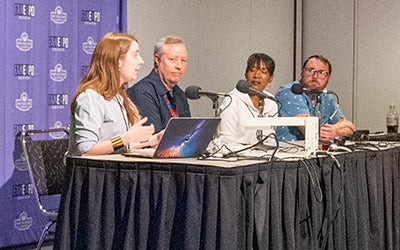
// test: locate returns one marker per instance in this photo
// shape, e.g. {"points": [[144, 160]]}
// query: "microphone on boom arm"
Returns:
{"points": [[195, 92], [244, 87], [299, 89]]}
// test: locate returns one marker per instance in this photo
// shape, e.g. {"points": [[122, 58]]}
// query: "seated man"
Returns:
{"points": [[158, 96], [315, 75]]}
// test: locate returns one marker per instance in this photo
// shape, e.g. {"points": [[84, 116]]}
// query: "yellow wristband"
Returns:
{"points": [[117, 143]]}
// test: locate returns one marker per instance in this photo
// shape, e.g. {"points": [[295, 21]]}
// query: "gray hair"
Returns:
{"points": [[159, 47]]}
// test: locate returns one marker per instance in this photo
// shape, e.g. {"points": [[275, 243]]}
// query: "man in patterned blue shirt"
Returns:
{"points": [[315, 75]]}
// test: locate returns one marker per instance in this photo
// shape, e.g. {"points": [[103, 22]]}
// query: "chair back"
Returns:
{"points": [[45, 159]]}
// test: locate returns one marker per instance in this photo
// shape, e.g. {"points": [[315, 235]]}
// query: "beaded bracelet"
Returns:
{"points": [[117, 143]]}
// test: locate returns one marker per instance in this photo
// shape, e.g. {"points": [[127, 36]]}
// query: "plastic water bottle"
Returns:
{"points": [[392, 119]]}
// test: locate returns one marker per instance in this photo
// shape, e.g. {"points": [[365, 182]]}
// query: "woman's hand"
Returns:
{"points": [[138, 132], [152, 142], [155, 139]]}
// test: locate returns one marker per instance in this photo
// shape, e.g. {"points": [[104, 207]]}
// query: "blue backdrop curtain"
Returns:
{"points": [[45, 50]]}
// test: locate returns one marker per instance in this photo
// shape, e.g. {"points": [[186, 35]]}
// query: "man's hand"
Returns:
{"points": [[331, 131]]}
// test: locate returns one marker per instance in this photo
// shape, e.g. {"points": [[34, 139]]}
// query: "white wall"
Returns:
{"points": [[328, 30], [377, 62], [220, 35], [362, 40]]}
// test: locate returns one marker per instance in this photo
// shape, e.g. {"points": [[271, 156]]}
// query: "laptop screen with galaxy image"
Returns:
{"points": [[184, 137]]}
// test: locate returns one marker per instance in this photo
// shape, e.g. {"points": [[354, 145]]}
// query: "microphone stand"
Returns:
{"points": [[318, 106], [259, 132], [214, 99]]}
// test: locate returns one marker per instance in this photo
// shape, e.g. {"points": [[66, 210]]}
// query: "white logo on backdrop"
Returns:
{"points": [[89, 45], [23, 43], [57, 135], [23, 103], [58, 16], [24, 11], [57, 101], [20, 163], [23, 222], [90, 17], [58, 74]]}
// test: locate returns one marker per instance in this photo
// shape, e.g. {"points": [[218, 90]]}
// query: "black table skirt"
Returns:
{"points": [[305, 204]]}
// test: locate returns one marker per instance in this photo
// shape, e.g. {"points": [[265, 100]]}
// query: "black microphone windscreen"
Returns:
{"points": [[192, 92], [243, 86], [297, 89]]}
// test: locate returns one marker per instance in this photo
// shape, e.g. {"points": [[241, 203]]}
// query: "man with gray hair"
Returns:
{"points": [[158, 96]]}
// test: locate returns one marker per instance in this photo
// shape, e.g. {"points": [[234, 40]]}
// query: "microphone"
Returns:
{"points": [[299, 89], [194, 93], [244, 87]]}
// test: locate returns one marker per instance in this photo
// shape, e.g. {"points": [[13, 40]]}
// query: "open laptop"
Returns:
{"points": [[184, 137]]}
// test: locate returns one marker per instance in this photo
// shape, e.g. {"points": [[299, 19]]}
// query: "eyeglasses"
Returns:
{"points": [[320, 73]]}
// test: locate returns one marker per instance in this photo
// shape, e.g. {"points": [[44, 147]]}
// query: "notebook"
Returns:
{"points": [[184, 137]]}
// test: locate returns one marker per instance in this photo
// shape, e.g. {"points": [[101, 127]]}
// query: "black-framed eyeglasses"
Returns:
{"points": [[320, 73]]}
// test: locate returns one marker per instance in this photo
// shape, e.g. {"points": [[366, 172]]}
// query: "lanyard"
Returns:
{"points": [[169, 105]]}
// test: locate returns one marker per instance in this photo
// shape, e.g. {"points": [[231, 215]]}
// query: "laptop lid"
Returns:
{"points": [[184, 137]]}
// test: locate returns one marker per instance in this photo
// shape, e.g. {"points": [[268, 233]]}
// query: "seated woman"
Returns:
{"points": [[235, 111], [103, 119]]}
